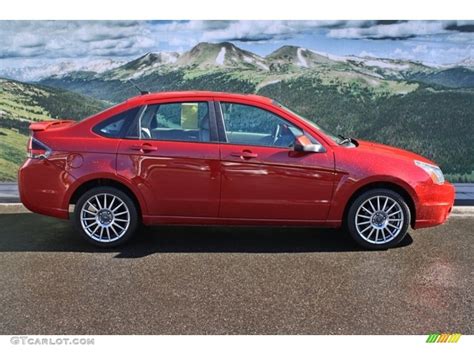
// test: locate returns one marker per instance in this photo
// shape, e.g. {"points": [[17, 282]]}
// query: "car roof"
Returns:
{"points": [[188, 94]]}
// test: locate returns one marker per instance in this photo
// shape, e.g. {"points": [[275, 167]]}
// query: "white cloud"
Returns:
{"points": [[395, 31], [366, 54], [71, 39], [421, 48], [458, 30]]}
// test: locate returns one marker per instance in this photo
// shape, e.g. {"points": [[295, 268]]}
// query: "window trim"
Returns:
{"points": [[223, 134], [213, 134]]}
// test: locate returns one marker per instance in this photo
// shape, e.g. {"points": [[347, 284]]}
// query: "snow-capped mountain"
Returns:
{"points": [[298, 57], [467, 63], [143, 65], [205, 55], [227, 56]]}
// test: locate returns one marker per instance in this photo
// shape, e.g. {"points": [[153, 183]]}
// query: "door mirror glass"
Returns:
{"points": [[304, 144]]}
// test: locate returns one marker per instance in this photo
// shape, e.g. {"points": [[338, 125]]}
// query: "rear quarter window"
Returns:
{"points": [[117, 125]]}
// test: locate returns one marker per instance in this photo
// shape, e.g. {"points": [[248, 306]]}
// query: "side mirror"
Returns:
{"points": [[303, 144]]}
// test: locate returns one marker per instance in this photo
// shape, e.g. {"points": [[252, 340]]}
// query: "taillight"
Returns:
{"points": [[37, 149]]}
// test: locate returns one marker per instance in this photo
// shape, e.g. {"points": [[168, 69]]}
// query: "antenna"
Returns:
{"points": [[142, 92]]}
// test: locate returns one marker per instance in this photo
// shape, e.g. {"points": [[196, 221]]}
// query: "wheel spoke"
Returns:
{"points": [[396, 227], [92, 223], [120, 213], [98, 202], [368, 237], [120, 205], [385, 204], [394, 204], [111, 203], [389, 232], [113, 229], [372, 206], [95, 230], [118, 225], [108, 233]]}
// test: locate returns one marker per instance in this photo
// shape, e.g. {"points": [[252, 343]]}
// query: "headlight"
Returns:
{"points": [[432, 170]]}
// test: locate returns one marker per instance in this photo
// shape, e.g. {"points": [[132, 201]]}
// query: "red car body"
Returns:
{"points": [[177, 182]]}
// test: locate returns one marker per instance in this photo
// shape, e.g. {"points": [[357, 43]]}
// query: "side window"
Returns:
{"points": [[251, 125], [183, 121], [114, 126]]}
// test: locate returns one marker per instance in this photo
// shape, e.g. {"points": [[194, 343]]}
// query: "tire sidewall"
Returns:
{"points": [[112, 191], [350, 220]]}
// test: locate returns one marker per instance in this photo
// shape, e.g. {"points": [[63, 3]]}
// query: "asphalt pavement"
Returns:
{"points": [[209, 280], [9, 192]]}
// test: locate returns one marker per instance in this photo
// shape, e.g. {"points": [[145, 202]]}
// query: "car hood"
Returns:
{"points": [[392, 152]]}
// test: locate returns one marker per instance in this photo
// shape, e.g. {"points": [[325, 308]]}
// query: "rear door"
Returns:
{"points": [[172, 154], [262, 177]]}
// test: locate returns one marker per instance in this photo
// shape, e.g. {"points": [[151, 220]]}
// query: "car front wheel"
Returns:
{"points": [[378, 219], [105, 216]]}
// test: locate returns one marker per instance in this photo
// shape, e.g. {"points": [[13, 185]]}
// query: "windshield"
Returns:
{"points": [[335, 138]]}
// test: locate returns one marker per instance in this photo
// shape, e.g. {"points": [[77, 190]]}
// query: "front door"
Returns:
{"points": [[173, 158], [262, 177]]}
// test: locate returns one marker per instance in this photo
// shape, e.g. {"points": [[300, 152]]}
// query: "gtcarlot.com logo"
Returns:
{"points": [[443, 337], [31, 340]]}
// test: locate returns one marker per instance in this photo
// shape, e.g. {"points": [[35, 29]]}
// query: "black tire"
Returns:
{"points": [[123, 235], [356, 205]]}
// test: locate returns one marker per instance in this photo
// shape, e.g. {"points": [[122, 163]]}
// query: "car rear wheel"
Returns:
{"points": [[105, 216], [378, 219]]}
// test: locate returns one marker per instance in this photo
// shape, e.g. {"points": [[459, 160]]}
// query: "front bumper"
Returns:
{"points": [[435, 203]]}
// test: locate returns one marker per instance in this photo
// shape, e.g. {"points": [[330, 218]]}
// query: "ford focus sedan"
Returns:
{"points": [[209, 158]]}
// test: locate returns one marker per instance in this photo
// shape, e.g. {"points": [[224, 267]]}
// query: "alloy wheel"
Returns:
{"points": [[105, 217], [379, 219]]}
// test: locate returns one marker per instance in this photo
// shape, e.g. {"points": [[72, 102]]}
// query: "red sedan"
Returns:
{"points": [[224, 159]]}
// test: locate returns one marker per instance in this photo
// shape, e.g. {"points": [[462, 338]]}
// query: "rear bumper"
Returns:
{"points": [[435, 203], [42, 185]]}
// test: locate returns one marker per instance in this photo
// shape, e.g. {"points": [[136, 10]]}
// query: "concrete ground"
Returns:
{"points": [[209, 280]]}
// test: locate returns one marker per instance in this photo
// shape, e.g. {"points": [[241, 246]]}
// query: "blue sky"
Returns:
{"points": [[32, 43]]}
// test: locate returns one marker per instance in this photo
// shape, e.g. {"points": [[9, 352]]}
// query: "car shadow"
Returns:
{"points": [[30, 233]]}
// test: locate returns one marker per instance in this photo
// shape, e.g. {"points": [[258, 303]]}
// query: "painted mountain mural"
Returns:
{"points": [[423, 108]]}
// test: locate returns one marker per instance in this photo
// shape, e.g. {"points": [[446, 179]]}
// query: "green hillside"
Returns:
{"points": [[20, 104], [12, 153]]}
